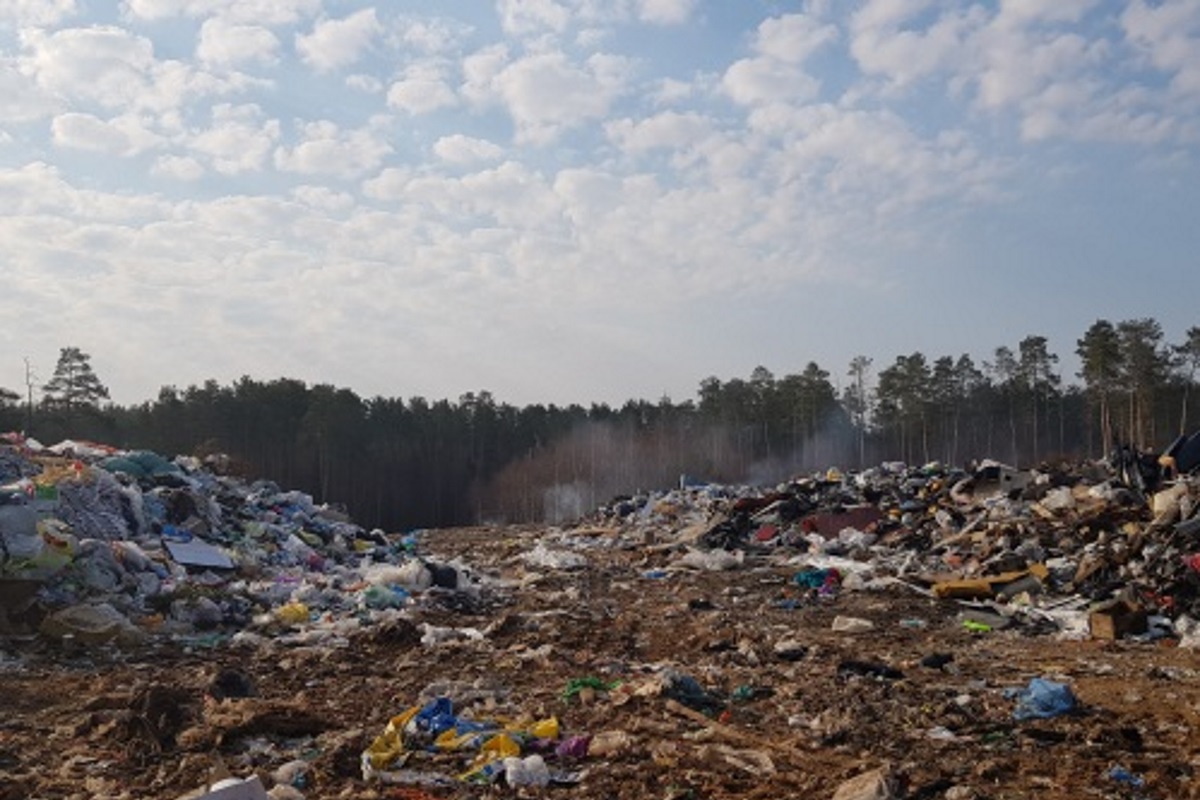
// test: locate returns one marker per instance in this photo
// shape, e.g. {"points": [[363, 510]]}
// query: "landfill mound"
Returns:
{"points": [[168, 630]]}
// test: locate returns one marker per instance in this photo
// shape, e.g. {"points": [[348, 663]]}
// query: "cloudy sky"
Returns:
{"points": [[585, 200]]}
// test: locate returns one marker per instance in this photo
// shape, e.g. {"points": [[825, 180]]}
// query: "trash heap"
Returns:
{"points": [[1074, 549], [105, 547], [109, 546]]}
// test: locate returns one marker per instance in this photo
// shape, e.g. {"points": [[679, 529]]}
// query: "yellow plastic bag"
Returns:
{"points": [[499, 746], [544, 728], [292, 613], [389, 745]]}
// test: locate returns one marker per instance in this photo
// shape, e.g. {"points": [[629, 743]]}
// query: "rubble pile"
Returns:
{"points": [[171, 630]]}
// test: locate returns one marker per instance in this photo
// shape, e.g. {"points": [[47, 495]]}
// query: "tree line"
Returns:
{"points": [[405, 463]]}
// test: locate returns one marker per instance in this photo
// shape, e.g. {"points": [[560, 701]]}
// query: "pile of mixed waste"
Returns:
{"points": [[1066, 548], [108, 546], [170, 629]]}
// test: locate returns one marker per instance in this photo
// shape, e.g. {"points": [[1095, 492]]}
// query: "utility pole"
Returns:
{"points": [[30, 378]]}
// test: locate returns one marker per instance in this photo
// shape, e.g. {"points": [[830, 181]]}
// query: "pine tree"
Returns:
{"points": [[1188, 354], [74, 384], [1100, 355], [10, 414], [1146, 363], [857, 401], [1035, 372]]}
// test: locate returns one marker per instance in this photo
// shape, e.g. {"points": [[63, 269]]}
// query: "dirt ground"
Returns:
{"points": [[804, 708]]}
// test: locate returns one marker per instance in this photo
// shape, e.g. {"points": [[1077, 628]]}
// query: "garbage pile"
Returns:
{"points": [[1073, 549], [118, 547]]}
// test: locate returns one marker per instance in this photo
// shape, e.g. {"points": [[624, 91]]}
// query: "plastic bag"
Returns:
{"points": [[530, 771], [541, 556], [1043, 699]]}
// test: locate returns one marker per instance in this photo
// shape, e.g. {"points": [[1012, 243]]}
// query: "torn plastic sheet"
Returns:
{"points": [[198, 554]]}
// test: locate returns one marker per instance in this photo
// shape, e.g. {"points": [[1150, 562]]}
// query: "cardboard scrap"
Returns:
{"points": [[1117, 619], [988, 586]]}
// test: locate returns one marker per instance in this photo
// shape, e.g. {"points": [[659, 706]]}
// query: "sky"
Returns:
{"points": [[585, 201]]}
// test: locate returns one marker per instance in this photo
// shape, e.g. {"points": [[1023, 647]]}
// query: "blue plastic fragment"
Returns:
{"points": [[1122, 775]]}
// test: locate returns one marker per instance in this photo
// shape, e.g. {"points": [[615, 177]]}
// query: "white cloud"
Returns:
{"points": [[1035, 63], [34, 188], [110, 68], [668, 130], [521, 17], [39, 188], [460, 149], [21, 100], [592, 38], [254, 12], [337, 43], [666, 12], [388, 184], [239, 139], [777, 73], [422, 90], [1168, 34], [364, 83], [180, 168], [1025, 11], [838, 161], [1052, 79], [36, 13], [532, 18], [1007, 81], [792, 38], [512, 195], [325, 149], [85, 132], [324, 198], [432, 36], [160, 9], [882, 47], [479, 74], [754, 81], [176, 84], [670, 91], [589, 194], [226, 44], [888, 14], [104, 65], [122, 136], [546, 93]]}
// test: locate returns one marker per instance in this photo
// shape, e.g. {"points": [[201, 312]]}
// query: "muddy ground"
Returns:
{"points": [[805, 707]]}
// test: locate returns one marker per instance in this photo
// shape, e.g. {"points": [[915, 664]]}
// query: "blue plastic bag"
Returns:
{"points": [[1042, 699]]}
